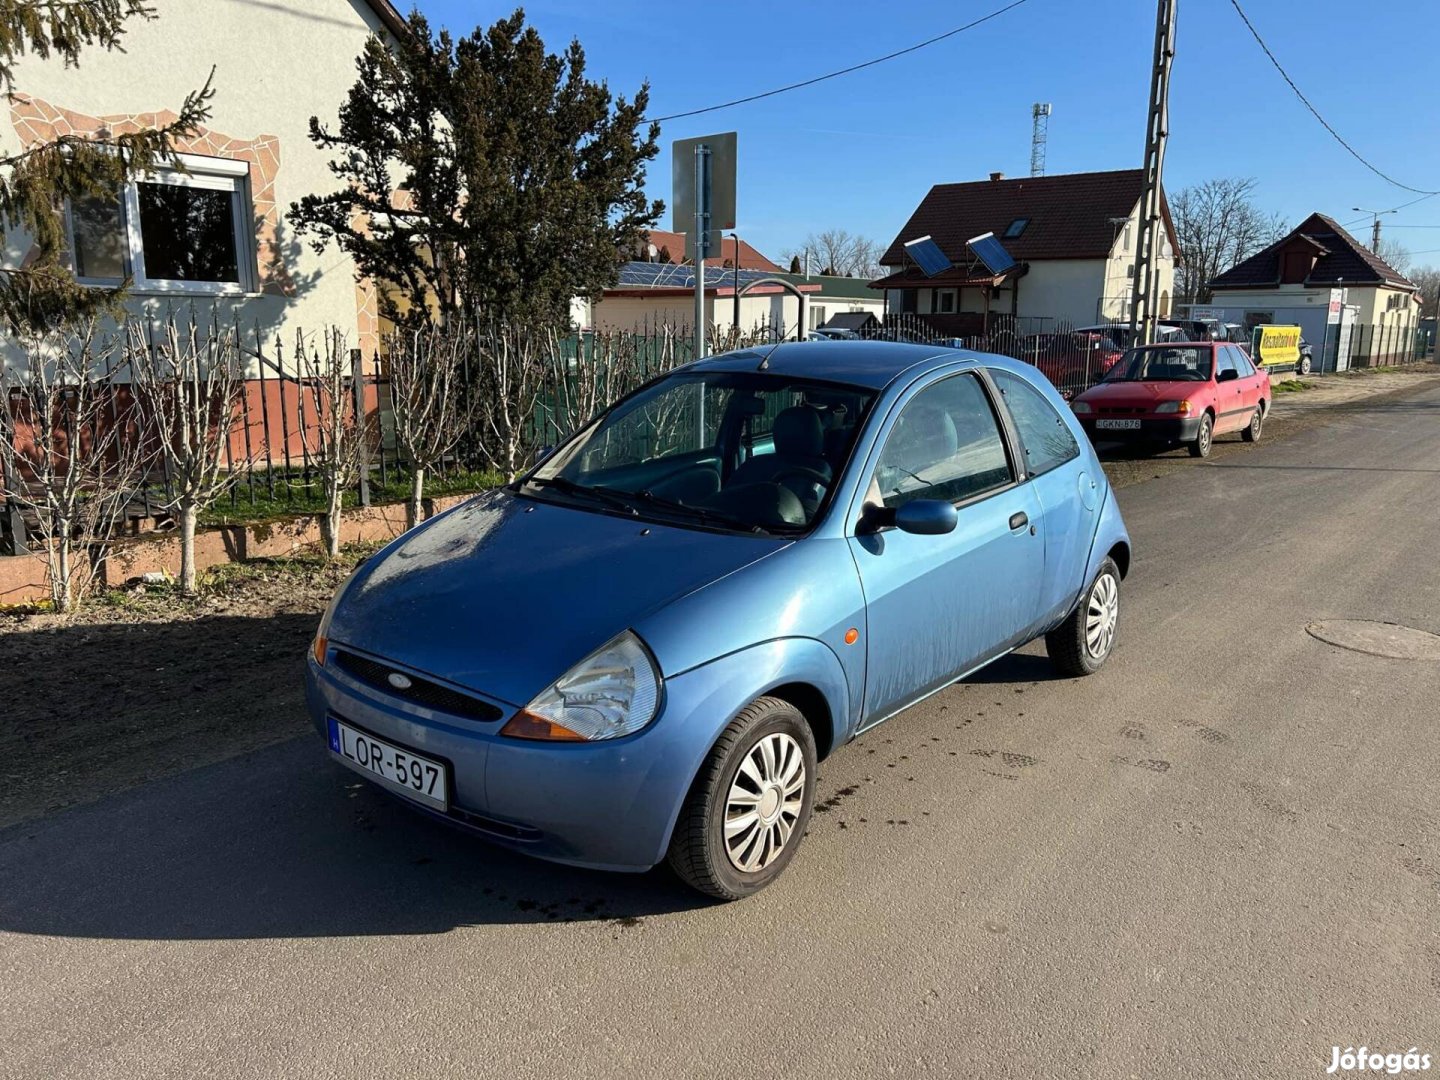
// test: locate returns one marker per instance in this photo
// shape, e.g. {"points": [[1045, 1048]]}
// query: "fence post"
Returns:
{"points": [[357, 382]]}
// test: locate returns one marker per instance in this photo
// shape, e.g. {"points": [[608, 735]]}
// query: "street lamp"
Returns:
{"points": [[1374, 225]]}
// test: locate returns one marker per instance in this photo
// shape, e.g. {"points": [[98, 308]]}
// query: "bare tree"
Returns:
{"points": [[514, 359], [336, 434], [1428, 280], [71, 455], [433, 406], [839, 252], [189, 383], [1395, 254], [1217, 224]]}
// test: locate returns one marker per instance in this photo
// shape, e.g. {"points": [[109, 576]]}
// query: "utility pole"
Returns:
{"points": [[1039, 132], [1374, 225], [1157, 131], [702, 241]]}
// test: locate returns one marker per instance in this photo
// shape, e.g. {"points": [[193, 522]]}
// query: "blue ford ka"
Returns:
{"points": [[640, 649]]}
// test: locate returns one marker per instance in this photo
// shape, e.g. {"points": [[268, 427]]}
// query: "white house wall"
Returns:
{"points": [[276, 64]]}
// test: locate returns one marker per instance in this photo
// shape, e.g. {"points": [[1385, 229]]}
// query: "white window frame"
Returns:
{"points": [[211, 174]]}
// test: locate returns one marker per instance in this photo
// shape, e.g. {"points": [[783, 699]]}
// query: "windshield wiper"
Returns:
{"points": [[570, 487], [700, 513]]}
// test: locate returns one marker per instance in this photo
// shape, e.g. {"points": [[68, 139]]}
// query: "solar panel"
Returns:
{"points": [[991, 252], [674, 276], [927, 256]]}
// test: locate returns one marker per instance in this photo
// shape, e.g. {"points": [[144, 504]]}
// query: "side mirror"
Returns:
{"points": [[926, 517], [1229, 375]]}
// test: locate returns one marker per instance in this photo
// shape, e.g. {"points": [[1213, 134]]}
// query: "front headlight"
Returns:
{"points": [[1081, 407], [1181, 407], [614, 691], [322, 634]]}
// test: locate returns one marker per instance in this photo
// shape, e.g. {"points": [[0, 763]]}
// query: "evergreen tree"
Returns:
{"points": [[36, 183], [795, 264], [484, 173]]}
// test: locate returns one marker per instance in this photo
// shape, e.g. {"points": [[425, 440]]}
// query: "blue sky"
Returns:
{"points": [[858, 152]]}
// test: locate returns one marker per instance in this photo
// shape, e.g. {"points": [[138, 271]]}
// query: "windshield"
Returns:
{"points": [[743, 451], [1173, 363]]}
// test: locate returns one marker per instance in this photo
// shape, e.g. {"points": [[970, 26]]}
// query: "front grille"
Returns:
{"points": [[1119, 410], [420, 691]]}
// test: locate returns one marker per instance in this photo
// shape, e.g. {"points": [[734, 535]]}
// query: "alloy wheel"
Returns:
{"points": [[1101, 615], [764, 802]]}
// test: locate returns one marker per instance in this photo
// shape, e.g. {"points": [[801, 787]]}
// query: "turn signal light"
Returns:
{"points": [[1183, 408], [526, 725], [321, 644]]}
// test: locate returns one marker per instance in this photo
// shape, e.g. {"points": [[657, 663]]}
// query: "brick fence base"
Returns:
{"points": [[22, 577]]}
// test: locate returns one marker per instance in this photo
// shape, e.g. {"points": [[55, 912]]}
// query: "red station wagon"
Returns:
{"points": [[1185, 392]]}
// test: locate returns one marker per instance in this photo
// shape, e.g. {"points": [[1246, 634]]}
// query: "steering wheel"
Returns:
{"points": [[814, 475]]}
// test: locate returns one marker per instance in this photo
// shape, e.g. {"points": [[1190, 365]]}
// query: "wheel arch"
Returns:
{"points": [[1120, 553], [812, 704]]}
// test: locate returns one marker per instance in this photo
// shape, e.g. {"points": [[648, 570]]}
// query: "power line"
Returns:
{"points": [[843, 71], [1316, 112]]}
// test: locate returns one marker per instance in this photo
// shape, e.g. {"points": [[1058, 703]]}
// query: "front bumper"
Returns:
{"points": [[1173, 429], [607, 805]]}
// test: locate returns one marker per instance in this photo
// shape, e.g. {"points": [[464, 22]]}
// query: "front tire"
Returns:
{"points": [[1305, 362], [1204, 437], [748, 808], [1084, 641]]}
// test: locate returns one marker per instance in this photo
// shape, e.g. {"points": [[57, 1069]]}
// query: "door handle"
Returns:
{"points": [[1019, 520]]}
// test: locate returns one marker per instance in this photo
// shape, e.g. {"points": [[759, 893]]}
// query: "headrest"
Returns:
{"points": [[799, 433], [924, 435]]}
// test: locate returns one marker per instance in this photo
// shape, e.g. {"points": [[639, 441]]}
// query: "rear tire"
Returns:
{"points": [[1083, 642], [748, 808], [1200, 447], [1305, 362], [1252, 430]]}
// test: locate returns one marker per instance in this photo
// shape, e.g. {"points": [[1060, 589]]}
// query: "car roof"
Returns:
{"points": [[871, 364]]}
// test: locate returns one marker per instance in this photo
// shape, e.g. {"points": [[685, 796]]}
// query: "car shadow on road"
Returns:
{"points": [[284, 843], [1017, 667]]}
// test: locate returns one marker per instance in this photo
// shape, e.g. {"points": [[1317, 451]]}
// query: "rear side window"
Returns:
{"points": [[1047, 440]]}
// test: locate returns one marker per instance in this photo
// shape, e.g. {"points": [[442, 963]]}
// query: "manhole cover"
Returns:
{"points": [[1378, 638]]}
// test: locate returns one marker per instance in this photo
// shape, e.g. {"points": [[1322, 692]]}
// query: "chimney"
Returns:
{"points": [[997, 176]]}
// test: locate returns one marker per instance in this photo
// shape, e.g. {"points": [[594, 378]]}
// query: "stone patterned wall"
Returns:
{"points": [[38, 121]]}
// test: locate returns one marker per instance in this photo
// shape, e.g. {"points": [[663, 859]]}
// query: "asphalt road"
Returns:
{"points": [[1219, 857]]}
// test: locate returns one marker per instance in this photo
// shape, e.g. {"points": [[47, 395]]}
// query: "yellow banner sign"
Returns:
{"points": [[1278, 345]]}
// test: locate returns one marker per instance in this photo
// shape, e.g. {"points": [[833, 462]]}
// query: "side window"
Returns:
{"points": [[1047, 441], [1225, 355], [946, 445], [1242, 363]]}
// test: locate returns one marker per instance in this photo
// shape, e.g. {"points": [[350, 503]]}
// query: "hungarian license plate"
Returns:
{"points": [[404, 771], [1118, 425]]}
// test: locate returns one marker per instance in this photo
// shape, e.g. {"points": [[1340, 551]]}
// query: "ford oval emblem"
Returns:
{"points": [[400, 682]]}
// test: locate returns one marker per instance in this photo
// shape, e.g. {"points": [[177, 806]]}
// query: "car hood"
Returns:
{"points": [[1136, 394], [504, 594]]}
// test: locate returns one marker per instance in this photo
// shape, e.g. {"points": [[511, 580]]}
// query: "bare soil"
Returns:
{"points": [[143, 684]]}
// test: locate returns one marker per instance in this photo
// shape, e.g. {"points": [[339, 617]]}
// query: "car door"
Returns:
{"points": [[1230, 414], [939, 606], [1250, 385], [1053, 466]]}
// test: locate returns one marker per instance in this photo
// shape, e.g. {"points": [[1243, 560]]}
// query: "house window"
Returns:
{"points": [[1016, 227], [172, 232], [1127, 236], [944, 302]]}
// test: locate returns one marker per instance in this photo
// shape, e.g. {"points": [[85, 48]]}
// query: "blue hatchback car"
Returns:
{"points": [[640, 649]]}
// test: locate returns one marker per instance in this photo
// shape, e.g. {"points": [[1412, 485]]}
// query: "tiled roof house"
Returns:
{"points": [[1072, 236]]}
